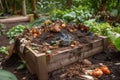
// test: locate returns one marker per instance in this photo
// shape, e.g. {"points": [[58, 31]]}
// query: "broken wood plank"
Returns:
{"points": [[15, 19]]}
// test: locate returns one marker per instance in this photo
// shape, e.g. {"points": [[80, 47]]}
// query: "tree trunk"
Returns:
{"points": [[34, 5], [69, 4], [41, 1], [5, 6], [1, 5], [24, 7], [14, 6]]}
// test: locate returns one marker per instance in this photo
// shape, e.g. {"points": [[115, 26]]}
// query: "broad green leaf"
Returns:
{"points": [[6, 75], [115, 38], [117, 43], [70, 15], [114, 12]]}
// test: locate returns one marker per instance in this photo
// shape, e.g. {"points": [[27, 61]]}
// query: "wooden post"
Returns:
{"points": [[42, 69], [31, 16], [24, 7], [105, 42]]}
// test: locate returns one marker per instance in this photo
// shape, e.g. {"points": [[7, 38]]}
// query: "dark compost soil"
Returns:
{"points": [[49, 38]]}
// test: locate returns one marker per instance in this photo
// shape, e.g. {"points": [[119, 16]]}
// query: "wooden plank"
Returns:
{"points": [[41, 67], [97, 43], [61, 63], [15, 19], [105, 41], [66, 61], [66, 53], [92, 52], [86, 47], [29, 57]]}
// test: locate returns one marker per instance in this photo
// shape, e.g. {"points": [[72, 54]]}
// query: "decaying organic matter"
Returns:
{"points": [[58, 34]]}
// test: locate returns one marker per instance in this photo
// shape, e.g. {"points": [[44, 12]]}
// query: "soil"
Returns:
{"points": [[111, 59], [65, 35], [54, 36]]}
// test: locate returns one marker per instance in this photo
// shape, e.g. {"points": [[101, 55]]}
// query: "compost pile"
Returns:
{"points": [[57, 34]]}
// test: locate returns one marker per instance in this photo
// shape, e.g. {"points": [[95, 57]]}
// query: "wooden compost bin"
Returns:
{"points": [[40, 64]]}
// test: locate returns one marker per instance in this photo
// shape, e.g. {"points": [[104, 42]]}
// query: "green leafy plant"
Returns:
{"points": [[115, 38], [73, 15], [116, 29], [6, 75], [4, 50], [98, 28], [22, 65], [113, 33], [15, 31], [49, 5]]}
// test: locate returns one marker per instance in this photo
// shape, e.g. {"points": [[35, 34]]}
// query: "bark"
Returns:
{"points": [[1, 5], [14, 6], [5, 6], [34, 5], [41, 1], [69, 4], [24, 7]]}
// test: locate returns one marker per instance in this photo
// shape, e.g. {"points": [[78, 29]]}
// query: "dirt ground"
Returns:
{"points": [[108, 58]]}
